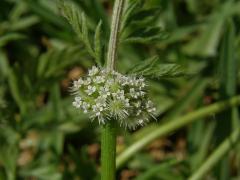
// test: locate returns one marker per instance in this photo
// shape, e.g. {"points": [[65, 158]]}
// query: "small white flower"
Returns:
{"points": [[139, 111], [103, 71], [77, 84], [99, 79], [123, 80], [104, 92], [137, 104], [126, 102], [133, 93], [97, 109], [78, 98], [151, 110], [109, 82], [90, 90], [93, 71], [119, 94], [87, 81], [101, 100], [149, 104], [85, 107], [142, 93], [77, 104], [141, 121]]}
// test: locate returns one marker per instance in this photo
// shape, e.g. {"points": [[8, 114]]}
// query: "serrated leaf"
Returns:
{"points": [[143, 40], [146, 35], [85, 35], [135, 13], [137, 24], [128, 12], [145, 14], [53, 62], [97, 43], [166, 71], [79, 24], [152, 69], [45, 13], [143, 66]]}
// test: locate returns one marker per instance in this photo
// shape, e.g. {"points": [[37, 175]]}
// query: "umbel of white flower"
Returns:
{"points": [[108, 96]]}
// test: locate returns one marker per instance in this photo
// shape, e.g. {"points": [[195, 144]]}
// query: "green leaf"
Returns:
{"points": [[142, 17], [146, 35], [228, 85], [97, 44], [207, 42], [165, 71], [4, 65], [9, 153], [23, 23], [179, 107], [144, 66], [15, 91], [85, 168], [165, 170], [8, 157], [85, 35], [138, 24], [175, 124], [10, 37], [54, 61], [79, 23], [43, 172], [218, 154], [203, 133], [152, 69], [128, 13], [46, 13], [227, 75]]}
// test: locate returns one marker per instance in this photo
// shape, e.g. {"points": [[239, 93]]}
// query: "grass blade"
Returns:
{"points": [[174, 125]]}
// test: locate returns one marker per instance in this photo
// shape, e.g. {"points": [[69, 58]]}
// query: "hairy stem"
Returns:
{"points": [[108, 146], [175, 124], [115, 28]]}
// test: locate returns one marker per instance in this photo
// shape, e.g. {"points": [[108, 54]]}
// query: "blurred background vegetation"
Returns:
{"points": [[43, 137]]}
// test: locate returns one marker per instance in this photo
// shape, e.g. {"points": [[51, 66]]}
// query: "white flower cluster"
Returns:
{"points": [[113, 96]]}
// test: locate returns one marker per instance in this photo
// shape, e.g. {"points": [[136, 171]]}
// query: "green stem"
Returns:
{"points": [[108, 146], [222, 150], [108, 151], [115, 28], [175, 124]]}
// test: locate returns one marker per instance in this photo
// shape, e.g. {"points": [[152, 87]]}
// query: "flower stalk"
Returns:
{"points": [[108, 138], [108, 151], [115, 28]]}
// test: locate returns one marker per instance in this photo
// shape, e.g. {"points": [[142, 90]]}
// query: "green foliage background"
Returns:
{"points": [[188, 49]]}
